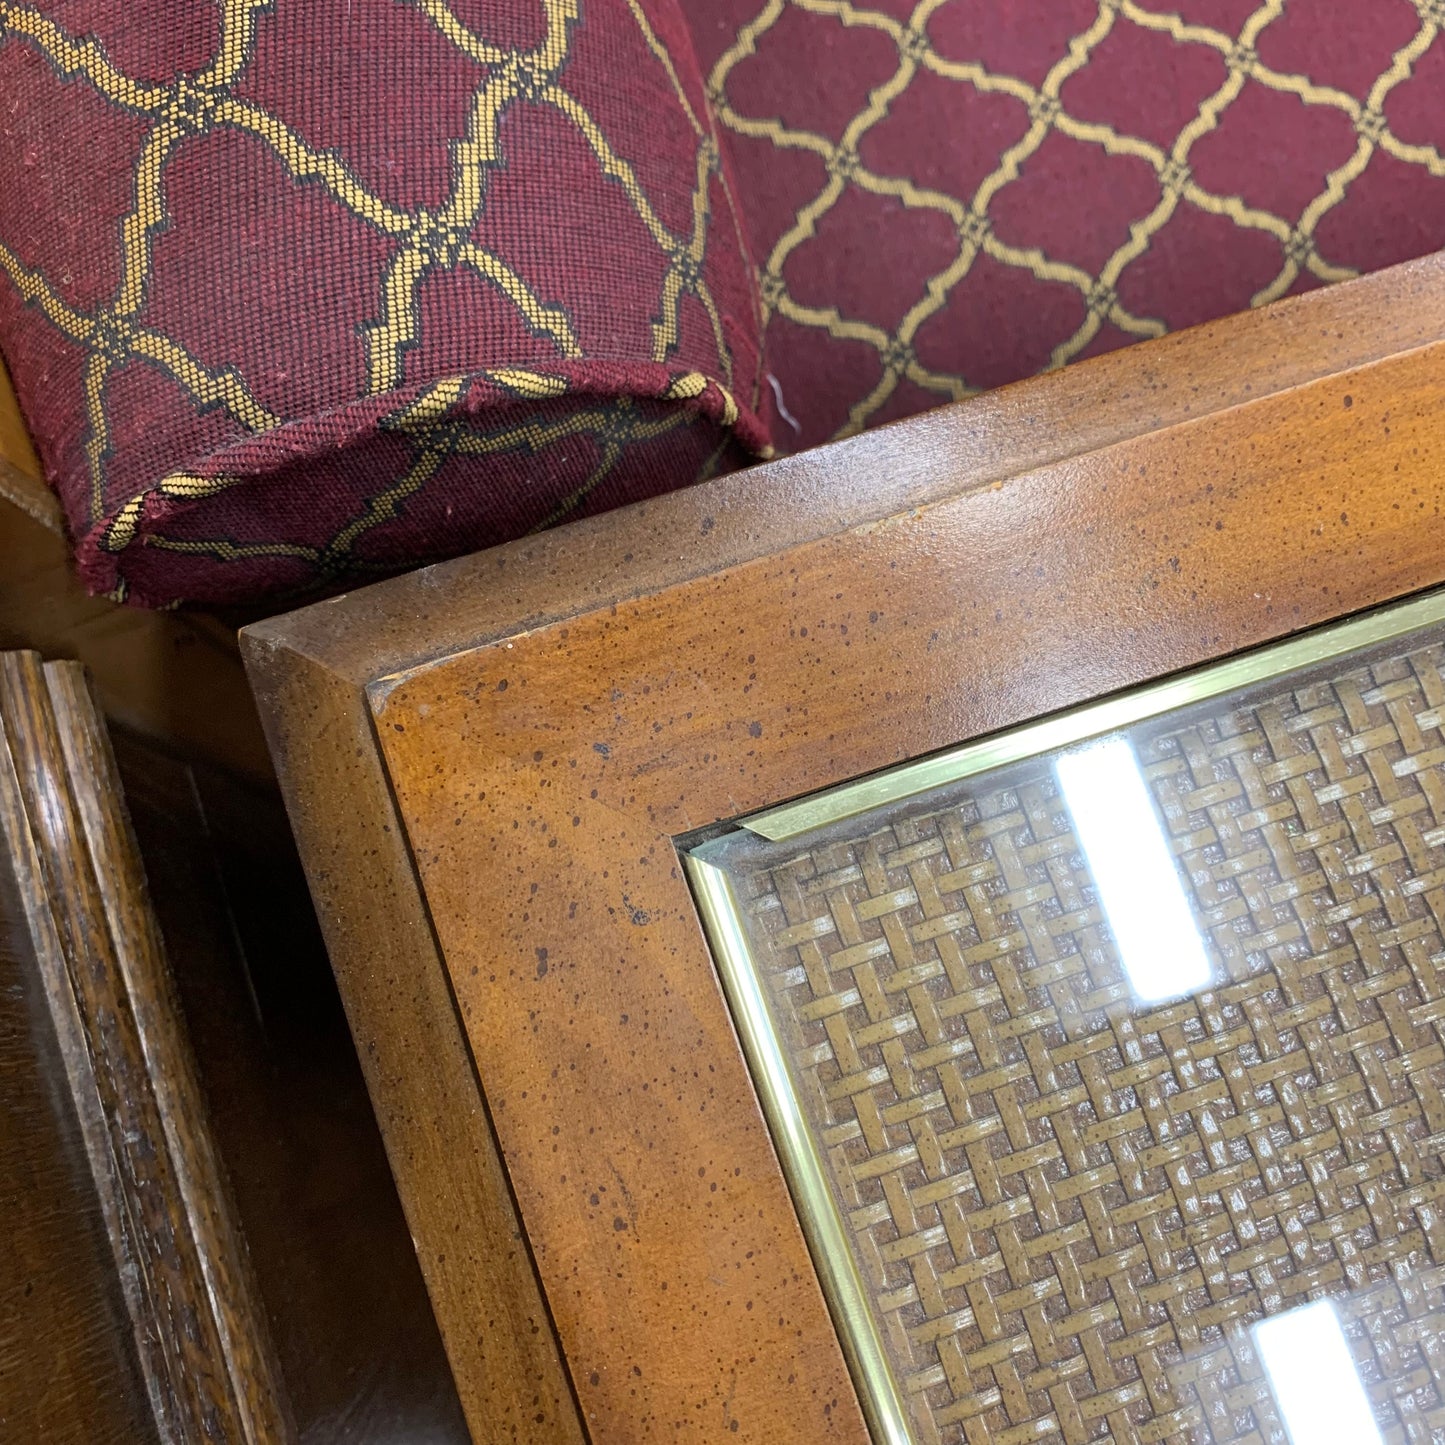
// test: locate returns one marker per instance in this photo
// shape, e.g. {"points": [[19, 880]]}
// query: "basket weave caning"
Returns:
{"points": [[1064, 1210]]}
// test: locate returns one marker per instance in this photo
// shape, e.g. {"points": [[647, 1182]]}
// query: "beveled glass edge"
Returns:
{"points": [[906, 780], [818, 1211]]}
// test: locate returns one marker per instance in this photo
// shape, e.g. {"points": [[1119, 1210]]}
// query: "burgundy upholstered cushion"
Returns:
{"points": [[943, 197], [305, 291], [296, 293]]}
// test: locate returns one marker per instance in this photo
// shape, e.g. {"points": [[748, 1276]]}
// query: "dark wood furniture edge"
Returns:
{"points": [[22, 482], [990, 440], [32, 496], [419, 1069], [220, 1252], [199, 1334]]}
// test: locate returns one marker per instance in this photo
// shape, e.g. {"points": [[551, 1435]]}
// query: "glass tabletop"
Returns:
{"points": [[1108, 1076]]}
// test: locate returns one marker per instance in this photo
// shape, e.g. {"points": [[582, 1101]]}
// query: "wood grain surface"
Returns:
{"points": [[995, 438], [553, 714], [68, 1368], [336, 1273], [201, 1343]]}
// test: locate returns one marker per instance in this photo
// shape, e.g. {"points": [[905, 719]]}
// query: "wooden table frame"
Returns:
{"points": [[488, 762]]}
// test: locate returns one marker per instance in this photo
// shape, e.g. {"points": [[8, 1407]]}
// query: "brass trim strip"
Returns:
{"points": [[818, 1210], [822, 1220], [909, 779]]}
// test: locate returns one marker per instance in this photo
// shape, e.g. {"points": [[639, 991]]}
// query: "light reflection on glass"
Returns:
{"points": [[1318, 1390], [1133, 868]]}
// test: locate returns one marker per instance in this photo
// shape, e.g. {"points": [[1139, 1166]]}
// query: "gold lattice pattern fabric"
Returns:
{"points": [[1064, 1208], [946, 195], [295, 291]]}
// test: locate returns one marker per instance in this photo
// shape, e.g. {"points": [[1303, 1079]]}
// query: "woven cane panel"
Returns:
{"points": [[1393, 1329], [1065, 1208]]}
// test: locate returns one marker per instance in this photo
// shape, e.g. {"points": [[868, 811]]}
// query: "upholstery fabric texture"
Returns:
{"points": [[298, 292], [949, 195]]}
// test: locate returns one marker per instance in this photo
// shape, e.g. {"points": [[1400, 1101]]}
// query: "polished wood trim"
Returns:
{"points": [[473, 1252], [621, 728], [201, 1339], [553, 714]]}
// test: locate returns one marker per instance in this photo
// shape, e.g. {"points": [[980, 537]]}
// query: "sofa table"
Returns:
{"points": [[715, 1118]]}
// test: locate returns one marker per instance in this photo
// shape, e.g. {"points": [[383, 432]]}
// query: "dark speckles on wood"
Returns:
{"points": [[473, 1252], [995, 561]]}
